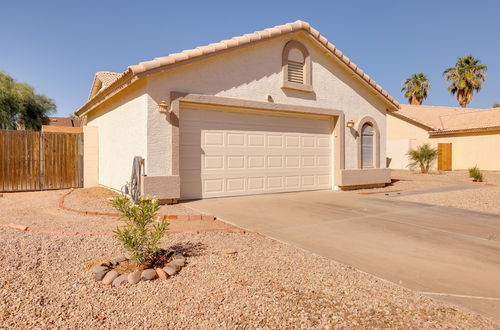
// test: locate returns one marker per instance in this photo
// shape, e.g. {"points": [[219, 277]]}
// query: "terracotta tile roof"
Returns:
{"points": [[107, 77], [445, 120], [153, 66], [63, 121]]}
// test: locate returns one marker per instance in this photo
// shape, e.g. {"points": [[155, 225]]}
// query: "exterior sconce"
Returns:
{"points": [[350, 124], [163, 107], [270, 99]]}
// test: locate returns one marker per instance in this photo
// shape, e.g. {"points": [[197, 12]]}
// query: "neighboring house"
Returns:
{"points": [[63, 124], [277, 110], [465, 137]]}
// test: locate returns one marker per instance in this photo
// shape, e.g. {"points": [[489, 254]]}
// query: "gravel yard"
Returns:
{"points": [[45, 283], [40, 209], [96, 199], [483, 199], [486, 198]]}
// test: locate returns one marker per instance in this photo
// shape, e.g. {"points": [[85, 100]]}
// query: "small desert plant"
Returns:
{"points": [[423, 157], [141, 233], [476, 174]]}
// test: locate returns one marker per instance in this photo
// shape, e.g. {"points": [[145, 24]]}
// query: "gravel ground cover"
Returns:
{"points": [[484, 199], [96, 199], [404, 180], [40, 209], [491, 177], [46, 283]]}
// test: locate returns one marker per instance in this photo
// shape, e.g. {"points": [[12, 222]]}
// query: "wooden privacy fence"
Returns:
{"points": [[40, 160]]}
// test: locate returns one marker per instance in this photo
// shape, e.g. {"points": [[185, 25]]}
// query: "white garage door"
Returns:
{"points": [[230, 153]]}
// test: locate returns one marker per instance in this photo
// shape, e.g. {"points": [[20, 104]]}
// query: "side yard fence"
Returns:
{"points": [[40, 160]]}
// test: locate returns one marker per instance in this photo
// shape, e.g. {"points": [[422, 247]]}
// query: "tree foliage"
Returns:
{"points": [[496, 105], [416, 88], [465, 78], [21, 107], [141, 233], [423, 157]]}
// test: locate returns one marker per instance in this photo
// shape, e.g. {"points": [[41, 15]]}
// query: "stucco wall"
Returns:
{"points": [[401, 137], [253, 73], [122, 134], [397, 151], [473, 149], [468, 150], [90, 156]]}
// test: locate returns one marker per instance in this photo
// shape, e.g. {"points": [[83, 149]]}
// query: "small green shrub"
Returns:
{"points": [[422, 157], [141, 233], [476, 174]]}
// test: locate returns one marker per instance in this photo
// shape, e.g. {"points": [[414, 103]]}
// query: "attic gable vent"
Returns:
{"points": [[296, 67]]}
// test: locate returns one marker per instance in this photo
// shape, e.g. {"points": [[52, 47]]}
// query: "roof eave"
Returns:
{"points": [[465, 130], [143, 68]]}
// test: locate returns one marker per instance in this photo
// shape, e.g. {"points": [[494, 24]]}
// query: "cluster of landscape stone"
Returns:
{"points": [[121, 271]]}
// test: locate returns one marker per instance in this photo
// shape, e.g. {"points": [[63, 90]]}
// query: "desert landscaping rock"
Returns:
{"points": [[110, 277], [120, 280], [229, 251], [171, 269], [178, 262], [294, 289], [148, 274], [116, 261], [161, 274], [178, 256], [100, 272], [134, 277]]}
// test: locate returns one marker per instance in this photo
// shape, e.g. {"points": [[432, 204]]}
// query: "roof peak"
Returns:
{"points": [[146, 67]]}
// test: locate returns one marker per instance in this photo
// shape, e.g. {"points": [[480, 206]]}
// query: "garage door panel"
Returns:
{"points": [[229, 153]]}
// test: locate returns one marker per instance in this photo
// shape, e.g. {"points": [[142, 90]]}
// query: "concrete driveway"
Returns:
{"points": [[449, 254]]}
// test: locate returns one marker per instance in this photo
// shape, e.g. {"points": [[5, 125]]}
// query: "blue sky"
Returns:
{"points": [[57, 46]]}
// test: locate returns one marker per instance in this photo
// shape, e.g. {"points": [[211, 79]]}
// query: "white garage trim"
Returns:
{"points": [[221, 103]]}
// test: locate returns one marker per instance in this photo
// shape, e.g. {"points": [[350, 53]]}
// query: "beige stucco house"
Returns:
{"points": [[277, 110], [465, 137]]}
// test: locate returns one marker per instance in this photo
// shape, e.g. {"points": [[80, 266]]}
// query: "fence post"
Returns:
{"points": [[41, 162]]}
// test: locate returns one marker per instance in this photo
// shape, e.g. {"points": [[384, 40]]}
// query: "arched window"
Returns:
{"points": [[367, 151], [296, 67]]}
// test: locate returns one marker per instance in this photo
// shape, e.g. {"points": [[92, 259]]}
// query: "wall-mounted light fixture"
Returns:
{"points": [[270, 99], [350, 124], [163, 107]]}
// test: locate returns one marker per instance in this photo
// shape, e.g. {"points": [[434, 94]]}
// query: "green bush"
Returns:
{"points": [[141, 233], [422, 157], [476, 174]]}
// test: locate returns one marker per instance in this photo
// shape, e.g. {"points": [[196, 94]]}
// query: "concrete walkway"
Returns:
{"points": [[449, 254]]}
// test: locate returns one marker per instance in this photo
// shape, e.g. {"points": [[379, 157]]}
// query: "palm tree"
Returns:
{"points": [[465, 78], [422, 156], [416, 88]]}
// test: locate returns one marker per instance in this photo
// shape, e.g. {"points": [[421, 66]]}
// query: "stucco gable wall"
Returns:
{"points": [[253, 73], [468, 150], [122, 134], [401, 137]]}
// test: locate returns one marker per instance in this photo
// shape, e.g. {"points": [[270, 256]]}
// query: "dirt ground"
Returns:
{"points": [[98, 199], [46, 282], [40, 209], [457, 190]]}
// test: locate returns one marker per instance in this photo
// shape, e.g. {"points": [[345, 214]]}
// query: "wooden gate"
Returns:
{"points": [[40, 160], [444, 157]]}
